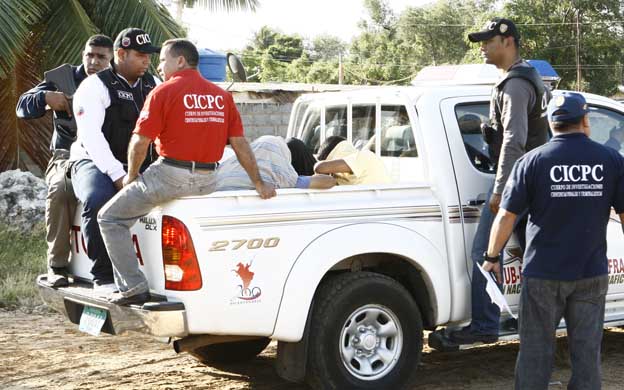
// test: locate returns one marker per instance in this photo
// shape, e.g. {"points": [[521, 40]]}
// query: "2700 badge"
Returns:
{"points": [[254, 243]]}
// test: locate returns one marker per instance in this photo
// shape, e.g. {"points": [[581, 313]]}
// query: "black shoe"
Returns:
{"points": [[137, 299], [57, 277], [510, 325], [466, 336]]}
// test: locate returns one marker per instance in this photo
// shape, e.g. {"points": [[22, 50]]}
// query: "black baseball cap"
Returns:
{"points": [[135, 39], [496, 26]]}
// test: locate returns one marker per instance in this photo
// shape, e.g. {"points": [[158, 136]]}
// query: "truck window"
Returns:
{"points": [[311, 127], [469, 118], [299, 116], [397, 138], [363, 127], [606, 124], [336, 121]]}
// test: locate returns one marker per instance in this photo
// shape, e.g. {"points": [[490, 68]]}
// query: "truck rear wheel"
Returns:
{"points": [[366, 333], [228, 353]]}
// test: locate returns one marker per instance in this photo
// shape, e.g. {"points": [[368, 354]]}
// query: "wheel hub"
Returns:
{"points": [[367, 342], [371, 342]]}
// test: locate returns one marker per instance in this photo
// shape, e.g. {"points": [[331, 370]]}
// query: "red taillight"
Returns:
{"points": [[179, 258]]}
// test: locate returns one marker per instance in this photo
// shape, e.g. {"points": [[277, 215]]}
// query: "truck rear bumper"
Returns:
{"points": [[157, 318]]}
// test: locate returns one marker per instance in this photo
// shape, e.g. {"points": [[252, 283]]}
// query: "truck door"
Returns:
{"points": [[474, 172], [606, 119], [474, 175]]}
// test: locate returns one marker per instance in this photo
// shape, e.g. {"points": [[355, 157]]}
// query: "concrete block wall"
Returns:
{"points": [[264, 118]]}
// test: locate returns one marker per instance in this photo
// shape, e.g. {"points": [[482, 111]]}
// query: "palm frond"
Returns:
{"points": [[112, 16], [16, 17], [225, 5], [18, 136], [68, 28]]}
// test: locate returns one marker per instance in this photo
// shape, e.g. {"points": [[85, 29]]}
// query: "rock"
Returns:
{"points": [[22, 200]]}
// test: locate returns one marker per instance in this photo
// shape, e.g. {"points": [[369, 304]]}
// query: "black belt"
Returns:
{"points": [[192, 165]]}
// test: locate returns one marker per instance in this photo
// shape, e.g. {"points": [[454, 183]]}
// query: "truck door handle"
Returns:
{"points": [[481, 198]]}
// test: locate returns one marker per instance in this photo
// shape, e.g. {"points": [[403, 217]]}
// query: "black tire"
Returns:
{"points": [[229, 353], [345, 295]]}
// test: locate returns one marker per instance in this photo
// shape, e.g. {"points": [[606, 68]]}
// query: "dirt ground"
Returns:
{"points": [[46, 351]]}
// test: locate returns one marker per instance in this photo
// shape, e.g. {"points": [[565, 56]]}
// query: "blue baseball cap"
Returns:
{"points": [[567, 107]]}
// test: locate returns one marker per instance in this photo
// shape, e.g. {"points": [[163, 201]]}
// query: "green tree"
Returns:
{"points": [[549, 32], [436, 34], [286, 48], [263, 39], [323, 72], [36, 35], [272, 52], [297, 70], [377, 55], [327, 48]]}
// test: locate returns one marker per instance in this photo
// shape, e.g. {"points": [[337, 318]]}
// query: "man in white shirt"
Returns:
{"points": [[107, 107]]}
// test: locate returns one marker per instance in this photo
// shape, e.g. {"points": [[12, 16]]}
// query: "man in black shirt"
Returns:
{"points": [[518, 124], [60, 199]]}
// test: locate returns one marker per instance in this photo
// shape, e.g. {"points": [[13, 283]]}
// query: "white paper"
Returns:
{"points": [[495, 294]]}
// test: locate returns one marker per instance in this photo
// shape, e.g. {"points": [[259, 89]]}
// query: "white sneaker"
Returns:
{"points": [[104, 290]]}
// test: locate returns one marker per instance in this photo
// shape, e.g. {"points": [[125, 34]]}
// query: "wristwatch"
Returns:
{"points": [[494, 259]]}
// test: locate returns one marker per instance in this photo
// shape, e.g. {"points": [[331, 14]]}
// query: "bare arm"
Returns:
{"points": [[622, 220], [500, 233], [247, 160], [332, 166], [322, 182], [137, 150]]}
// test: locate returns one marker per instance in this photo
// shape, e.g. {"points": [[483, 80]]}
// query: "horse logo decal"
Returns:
{"points": [[246, 291]]}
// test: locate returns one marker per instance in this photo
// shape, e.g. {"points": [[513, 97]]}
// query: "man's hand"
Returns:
{"points": [[493, 267], [119, 183], [265, 190], [128, 179], [495, 201], [58, 102]]}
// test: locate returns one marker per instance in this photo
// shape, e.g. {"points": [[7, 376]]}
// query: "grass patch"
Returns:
{"points": [[22, 258]]}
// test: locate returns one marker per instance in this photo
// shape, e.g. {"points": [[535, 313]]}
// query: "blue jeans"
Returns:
{"points": [[93, 188], [542, 305], [485, 314], [159, 184]]}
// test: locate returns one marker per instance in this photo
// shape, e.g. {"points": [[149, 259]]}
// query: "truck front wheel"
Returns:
{"points": [[228, 353], [366, 333]]}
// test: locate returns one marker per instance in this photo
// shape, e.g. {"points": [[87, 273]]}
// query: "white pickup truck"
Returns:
{"points": [[346, 280]]}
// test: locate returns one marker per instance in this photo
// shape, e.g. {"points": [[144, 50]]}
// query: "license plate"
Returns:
{"points": [[92, 320]]}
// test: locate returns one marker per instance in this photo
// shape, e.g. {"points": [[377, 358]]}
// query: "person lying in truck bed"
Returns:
{"points": [[276, 163], [338, 157]]}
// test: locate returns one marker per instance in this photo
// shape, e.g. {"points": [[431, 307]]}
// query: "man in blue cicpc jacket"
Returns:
{"points": [[569, 186]]}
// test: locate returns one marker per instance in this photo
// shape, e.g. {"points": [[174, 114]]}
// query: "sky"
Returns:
{"points": [[223, 31]]}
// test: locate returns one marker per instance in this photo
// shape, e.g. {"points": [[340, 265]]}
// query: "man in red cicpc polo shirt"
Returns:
{"points": [[190, 120]]}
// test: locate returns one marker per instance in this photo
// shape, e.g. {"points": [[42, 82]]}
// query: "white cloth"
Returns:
{"points": [[495, 294], [90, 103]]}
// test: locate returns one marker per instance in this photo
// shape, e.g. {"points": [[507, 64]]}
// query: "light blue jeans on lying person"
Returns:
{"points": [[159, 184]]}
